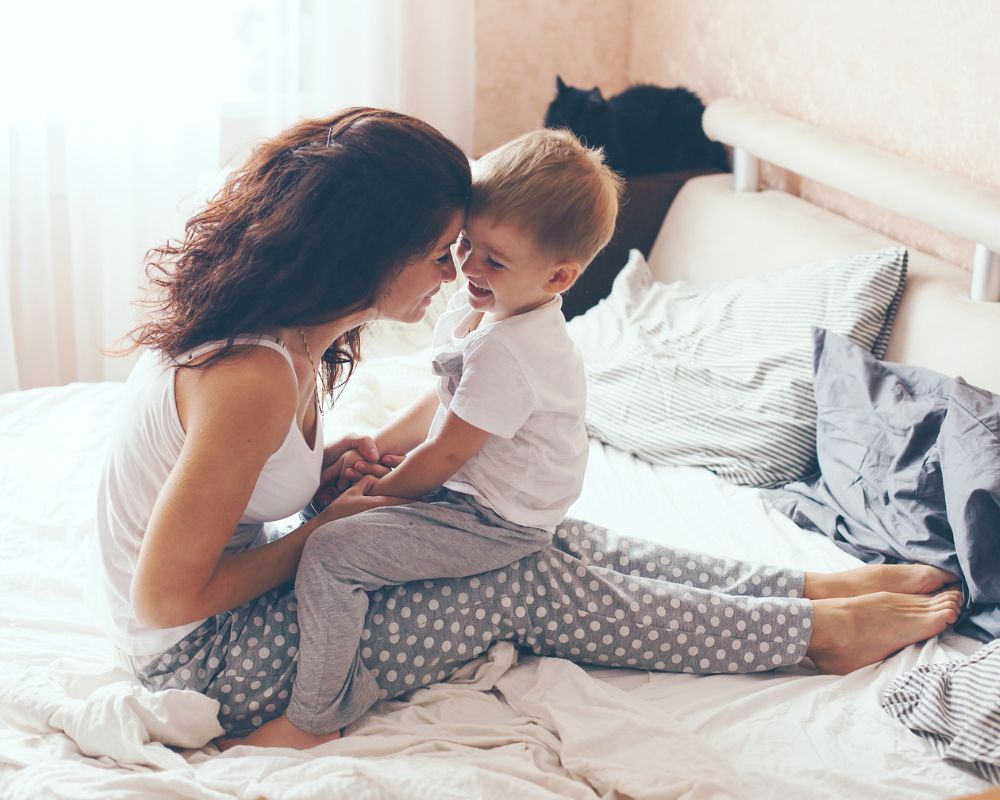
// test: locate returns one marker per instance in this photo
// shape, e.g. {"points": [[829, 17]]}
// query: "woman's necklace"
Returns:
{"points": [[315, 372]]}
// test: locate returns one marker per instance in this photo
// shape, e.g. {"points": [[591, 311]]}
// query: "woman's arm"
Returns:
{"points": [[430, 464], [236, 413]]}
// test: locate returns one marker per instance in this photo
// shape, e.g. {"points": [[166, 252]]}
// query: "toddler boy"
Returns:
{"points": [[496, 454]]}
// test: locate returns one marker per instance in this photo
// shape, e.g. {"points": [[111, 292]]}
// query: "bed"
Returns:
{"points": [[72, 725]]}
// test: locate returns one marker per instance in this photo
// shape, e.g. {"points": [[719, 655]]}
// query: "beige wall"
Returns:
{"points": [[521, 45], [915, 77]]}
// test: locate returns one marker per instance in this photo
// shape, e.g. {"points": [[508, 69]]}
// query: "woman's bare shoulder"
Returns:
{"points": [[250, 385]]}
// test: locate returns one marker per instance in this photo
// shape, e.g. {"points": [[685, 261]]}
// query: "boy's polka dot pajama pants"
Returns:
{"points": [[591, 596]]}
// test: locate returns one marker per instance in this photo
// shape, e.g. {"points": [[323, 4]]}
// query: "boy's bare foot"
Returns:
{"points": [[850, 633], [901, 578], [279, 732]]}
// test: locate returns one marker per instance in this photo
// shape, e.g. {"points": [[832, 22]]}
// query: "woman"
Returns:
{"points": [[333, 224]]}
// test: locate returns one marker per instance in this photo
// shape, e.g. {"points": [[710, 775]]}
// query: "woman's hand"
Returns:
{"points": [[355, 499], [346, 461], [337, 457], [379, 469], [341, 452]]}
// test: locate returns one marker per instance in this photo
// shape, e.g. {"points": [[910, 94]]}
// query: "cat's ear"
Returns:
{"points": [[594, 96], [560, 84]]}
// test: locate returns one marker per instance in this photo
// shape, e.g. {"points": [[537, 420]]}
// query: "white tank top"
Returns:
{"points": [[145, 443]]}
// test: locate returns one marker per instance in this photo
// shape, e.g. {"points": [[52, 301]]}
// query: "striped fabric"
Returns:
{"points": [[956, 707], [721, 377]]}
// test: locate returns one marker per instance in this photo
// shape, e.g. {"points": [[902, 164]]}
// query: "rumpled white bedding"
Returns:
{"points": [[74, 726], [457, 739]]}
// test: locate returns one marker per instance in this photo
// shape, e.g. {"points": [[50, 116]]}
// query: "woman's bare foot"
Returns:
{"points": [[850, 633], [279, 732], [900, 578]]}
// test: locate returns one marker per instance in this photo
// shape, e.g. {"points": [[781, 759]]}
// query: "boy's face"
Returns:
{"points": [[507, 273]]}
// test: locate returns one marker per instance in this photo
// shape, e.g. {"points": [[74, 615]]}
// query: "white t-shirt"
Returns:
{"points": [[520, 379]]}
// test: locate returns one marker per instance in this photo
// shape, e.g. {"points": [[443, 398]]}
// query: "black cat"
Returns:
{"points": [[643, 130]]}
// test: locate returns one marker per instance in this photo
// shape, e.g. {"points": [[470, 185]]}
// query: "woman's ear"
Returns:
{"points": [[562, 277]]}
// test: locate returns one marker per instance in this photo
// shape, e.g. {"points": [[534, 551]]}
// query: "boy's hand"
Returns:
{"points": [[430, 464], [378, 469], [346, 461], [353, 465]]}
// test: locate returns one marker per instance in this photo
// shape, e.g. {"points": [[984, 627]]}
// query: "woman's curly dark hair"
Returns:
{"points": [[312, 227]]}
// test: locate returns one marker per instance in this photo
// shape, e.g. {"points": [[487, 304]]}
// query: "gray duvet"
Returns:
{"points": [[909, 471]]}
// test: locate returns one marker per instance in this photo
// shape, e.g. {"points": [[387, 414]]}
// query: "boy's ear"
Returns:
{"points": [[562, 277]]}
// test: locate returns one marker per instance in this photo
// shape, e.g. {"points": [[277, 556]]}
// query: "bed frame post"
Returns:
{"points": [[746, 171], [985, 275]]}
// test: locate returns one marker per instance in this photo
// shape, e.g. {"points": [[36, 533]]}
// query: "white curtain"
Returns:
{"points": [[118, 119]]}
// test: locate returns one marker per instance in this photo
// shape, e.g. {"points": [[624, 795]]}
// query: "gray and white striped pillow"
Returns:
{"points": [[721, 377], [956, 707]]}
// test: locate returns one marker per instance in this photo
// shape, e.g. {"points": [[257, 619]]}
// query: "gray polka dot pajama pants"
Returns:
{"points": [[591, 596], [449, 535]]}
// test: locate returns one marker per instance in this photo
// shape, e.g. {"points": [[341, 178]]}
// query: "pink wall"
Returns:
{"points": [[914, 77], [521, 45]]}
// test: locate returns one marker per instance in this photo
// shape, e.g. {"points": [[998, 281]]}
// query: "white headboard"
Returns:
{"points": [[715, 233], [928, 195]]}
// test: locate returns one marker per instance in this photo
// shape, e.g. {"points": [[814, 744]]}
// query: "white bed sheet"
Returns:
{"points": [[547, 729], [823, 735]]}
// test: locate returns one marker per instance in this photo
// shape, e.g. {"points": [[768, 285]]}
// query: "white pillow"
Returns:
{"points": [[721, 377]]}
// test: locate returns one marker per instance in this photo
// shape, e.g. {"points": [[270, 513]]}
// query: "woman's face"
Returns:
{"points": [[409, 294]]}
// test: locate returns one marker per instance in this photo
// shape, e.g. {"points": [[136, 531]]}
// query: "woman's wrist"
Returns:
{"points": [[330, 513]]}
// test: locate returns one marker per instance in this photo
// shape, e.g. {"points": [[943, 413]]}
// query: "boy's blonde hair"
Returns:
{"points": [[547, 184]]}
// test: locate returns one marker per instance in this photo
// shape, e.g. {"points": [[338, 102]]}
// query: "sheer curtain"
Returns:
{"points": [[118, 120]]}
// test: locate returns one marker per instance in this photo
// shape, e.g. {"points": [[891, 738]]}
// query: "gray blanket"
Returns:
{"points": [[909, 471]]}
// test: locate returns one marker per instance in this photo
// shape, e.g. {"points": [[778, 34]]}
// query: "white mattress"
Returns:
{"points": [[548, 728]]}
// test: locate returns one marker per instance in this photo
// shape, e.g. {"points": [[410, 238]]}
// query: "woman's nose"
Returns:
{"points": [[448, 271]]}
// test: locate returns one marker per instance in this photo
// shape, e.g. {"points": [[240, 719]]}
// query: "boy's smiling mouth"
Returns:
{"points": [[478, 291]]}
